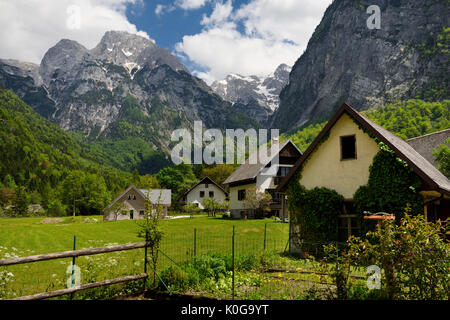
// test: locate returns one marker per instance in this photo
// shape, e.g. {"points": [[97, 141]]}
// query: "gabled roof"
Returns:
{"points": [[427, 143], [249, 171], [156, 196], [206, 180], [429, 173]]}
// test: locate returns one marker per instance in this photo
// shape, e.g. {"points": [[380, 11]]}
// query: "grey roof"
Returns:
{"points": [[427, 143], [252, 166], [422, 166], [157, 196]]}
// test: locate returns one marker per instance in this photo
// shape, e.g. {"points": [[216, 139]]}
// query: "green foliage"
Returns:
{"points": [[179, 179], [258, 201], [442, 154], [37, 157], [413, 256], [406, 119], [218, 173], [86, 193], [412, 118], [391, 187], [315, 212]]}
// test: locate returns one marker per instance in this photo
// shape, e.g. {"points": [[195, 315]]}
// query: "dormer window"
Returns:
{"points": [[348, 147]]}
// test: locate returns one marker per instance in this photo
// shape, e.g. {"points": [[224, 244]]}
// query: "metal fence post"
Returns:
{"points": [[265, 235], [195, 242], [232, 258]]}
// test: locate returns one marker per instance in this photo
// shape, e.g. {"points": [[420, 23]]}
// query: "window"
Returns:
{"points": [[347, 226], [129, 197], [241, 194], [211, 194], [202, 194], [134, 197], [283, 171], [206, 186], [141, 212], [348, 147]]}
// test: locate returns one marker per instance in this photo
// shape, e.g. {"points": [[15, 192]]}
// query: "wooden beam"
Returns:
{"points": [[61, 292], [73, 253]]}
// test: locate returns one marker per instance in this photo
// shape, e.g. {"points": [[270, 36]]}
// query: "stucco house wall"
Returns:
{"points": [[325, 168], [194, 195]]}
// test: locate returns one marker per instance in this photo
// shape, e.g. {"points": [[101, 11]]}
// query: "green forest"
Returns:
{"points": [[407, 119], [66, 174]]}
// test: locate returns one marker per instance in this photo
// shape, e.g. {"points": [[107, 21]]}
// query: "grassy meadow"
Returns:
{"points": [[29, 236]]}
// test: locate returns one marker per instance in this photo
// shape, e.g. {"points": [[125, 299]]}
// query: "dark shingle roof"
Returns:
{"points": [[252, 166]]}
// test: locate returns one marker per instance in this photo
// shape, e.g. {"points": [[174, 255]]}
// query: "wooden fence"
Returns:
{"points": [[74, 254]]}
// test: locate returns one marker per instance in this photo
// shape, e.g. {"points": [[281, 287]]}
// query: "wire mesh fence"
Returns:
{"points": [[238, 246]]}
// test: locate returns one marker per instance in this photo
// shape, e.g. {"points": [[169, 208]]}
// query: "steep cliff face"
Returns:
{"points": [[346, 61], [255, 96], [86, 90]]}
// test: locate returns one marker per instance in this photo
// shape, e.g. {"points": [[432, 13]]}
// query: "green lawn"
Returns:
{"points": [[29, 236]]}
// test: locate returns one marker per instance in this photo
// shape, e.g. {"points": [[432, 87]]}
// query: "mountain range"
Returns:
{"points": [[254, 95], [124, 88], [125, 96]]}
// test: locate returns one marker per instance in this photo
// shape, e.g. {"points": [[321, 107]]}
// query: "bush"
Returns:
{"points": [[414, 257], [56, 209]]}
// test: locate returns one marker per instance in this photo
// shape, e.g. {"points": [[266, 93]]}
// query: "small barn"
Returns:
{"points": [[131, 204]]}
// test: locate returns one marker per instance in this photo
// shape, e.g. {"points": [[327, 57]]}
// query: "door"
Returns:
{"points": [[131, 214]]}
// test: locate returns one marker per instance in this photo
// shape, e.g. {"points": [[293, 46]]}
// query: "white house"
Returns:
{"points": [[206, 188], [131, 203], [250, 175]]}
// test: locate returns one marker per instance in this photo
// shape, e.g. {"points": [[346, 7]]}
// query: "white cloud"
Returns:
{"points": [[221, 12], [190, 4], [275, 32], [29, 27]]}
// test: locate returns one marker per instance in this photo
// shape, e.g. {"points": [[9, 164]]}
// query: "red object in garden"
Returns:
{"points": [[379, 216]]}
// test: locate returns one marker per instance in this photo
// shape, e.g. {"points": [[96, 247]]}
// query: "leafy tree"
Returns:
{"points": [[257, 200], [22, 202], [7, 196], [148, 182], [211, 205], [218, 173], [442, 154]]}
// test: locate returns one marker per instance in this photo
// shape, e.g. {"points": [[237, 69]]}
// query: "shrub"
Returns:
{"points": [[414, 257]]}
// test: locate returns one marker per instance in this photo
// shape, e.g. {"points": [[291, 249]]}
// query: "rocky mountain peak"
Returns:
{"points": [[346, 61], [254, 95]]}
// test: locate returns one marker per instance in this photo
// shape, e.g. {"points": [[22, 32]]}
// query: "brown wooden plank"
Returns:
{"points": [[71, 254], [61, 292]]}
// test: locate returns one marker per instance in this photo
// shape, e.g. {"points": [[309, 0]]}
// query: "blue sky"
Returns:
{"points": [[213, 38]]}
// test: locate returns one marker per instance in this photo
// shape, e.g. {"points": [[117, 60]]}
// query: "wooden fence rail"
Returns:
{"points": [[72, 254]]}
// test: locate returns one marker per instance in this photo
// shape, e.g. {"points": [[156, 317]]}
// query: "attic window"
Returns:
{"points": [[348, 147], [206, 186]]}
